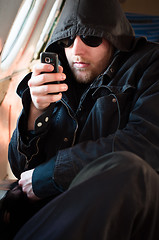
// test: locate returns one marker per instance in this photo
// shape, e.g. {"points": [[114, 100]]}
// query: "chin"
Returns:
{"points": [[82, 77], [83, 80]]}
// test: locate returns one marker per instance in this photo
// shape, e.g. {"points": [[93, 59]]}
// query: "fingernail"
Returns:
{"points": [[64, 87], [50, 67], [63, 76]]}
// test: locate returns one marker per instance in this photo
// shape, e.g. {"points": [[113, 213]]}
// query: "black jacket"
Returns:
{"points": [[117, 112]]}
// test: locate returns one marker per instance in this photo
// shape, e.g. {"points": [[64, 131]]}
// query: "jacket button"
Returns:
{"points": [[111, 70], [114, 100], [65, 139], [46, 119], [39, 124]]}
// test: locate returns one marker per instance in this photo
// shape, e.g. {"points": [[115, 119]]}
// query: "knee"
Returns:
{"points": [[128, 160], [137, 173], [121, 166]]}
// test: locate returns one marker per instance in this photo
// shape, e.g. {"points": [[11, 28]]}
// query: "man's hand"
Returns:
{"points": [[43, 94], [26, 184]]}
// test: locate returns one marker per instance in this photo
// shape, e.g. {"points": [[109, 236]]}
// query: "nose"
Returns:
{"points": [[78, 47]]}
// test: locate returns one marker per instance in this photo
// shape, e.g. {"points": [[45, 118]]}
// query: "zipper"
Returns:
{"points": [[28, 160], [73, 141]]}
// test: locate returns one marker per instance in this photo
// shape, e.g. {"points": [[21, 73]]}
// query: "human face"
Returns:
{"points": [[87, 62]]}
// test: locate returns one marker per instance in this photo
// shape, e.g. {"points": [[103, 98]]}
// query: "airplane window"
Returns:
{"points": [[49, 26], [21, 31], [17, 27]]}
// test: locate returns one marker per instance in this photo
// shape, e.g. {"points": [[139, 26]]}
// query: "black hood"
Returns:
{"points": [[103, 18]]}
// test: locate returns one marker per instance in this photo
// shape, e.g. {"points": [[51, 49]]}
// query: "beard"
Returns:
{"points": [[83, 75]]}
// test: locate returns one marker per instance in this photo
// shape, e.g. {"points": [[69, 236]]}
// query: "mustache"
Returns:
{"points": [[79, 59]]}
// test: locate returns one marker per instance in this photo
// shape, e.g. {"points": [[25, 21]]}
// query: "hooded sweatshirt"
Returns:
{"points": [[102, 18]]}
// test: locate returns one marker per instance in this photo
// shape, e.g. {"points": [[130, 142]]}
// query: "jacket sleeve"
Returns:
{"points": [[25, 151]]}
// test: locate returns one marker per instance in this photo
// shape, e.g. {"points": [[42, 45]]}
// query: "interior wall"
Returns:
{"points": [[141, 6], [8, 9]]}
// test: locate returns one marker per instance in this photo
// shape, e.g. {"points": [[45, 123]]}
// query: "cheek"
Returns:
{"points": [[105, 56]]}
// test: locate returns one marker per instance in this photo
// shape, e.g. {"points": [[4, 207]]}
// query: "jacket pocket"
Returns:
{"points": [[110, 111]]}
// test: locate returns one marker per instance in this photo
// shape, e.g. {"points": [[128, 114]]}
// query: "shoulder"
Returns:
{"points": [[146, 48], [23, 85]]}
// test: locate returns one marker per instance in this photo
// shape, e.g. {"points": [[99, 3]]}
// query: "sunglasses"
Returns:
{"points": [[90, 41]]}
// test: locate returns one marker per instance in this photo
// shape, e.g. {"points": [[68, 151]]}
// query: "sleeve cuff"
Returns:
{"points": [[43, 181]]}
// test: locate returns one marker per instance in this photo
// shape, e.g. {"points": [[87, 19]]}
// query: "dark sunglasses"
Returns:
{"points": [[90, 41]]}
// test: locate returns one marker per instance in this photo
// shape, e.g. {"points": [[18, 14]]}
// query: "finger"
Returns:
{"points": [[48, 89], [44, 101], [21, 180], [42, 67], [20, 183], [32, 196], [46, 78], [60, 69]]}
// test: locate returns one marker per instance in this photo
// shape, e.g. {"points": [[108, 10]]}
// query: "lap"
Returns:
{"points": [[111, 198]]}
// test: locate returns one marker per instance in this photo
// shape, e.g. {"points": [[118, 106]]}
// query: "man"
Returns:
{"points": [[93, 139]]}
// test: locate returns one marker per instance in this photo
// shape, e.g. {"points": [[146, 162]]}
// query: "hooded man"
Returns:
{"points": [[93, 139]]}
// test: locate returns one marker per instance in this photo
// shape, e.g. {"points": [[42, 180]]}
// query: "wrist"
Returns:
{"points": [[33, 115]]}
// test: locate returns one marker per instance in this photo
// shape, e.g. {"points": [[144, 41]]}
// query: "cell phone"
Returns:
{"points": [[50, 58]]}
